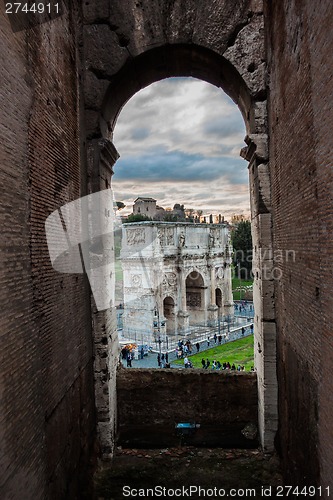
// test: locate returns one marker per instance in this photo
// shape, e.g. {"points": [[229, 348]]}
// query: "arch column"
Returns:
{"points": [[212, 308], [263, 287], [101, 156], [183, 315]]}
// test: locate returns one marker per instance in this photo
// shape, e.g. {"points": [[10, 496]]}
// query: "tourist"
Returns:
{"points": [[215, 337], [129, 360], [207, 363], [159, 360], [214, 365], [197, 345], [239, 368], [203, 362], [142, 352], [186, 362], [166, 358], [243, 331], [233, 367], [220, 339], [208, 341]]}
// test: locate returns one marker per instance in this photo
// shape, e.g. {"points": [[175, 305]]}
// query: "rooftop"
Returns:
{"points": [[142, 198]]}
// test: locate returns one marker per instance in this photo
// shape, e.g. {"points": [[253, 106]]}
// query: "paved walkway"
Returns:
{"points": [[150, 361]]}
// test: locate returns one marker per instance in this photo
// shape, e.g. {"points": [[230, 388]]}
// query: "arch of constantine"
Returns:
{"points": [[176, 276]]}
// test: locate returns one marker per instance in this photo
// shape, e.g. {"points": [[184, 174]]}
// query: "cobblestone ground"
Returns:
{"points": [[182, 471]]}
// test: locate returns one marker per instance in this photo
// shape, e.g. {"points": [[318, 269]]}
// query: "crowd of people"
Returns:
{"points": [[163, 360], [243, 306], [185, 348]]}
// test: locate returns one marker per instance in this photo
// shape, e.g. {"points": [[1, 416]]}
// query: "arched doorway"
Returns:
{"points": [[195, 298], [218, 299], [114, 78], [169, 314]]}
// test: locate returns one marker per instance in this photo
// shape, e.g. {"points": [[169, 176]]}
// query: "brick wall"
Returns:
{"points": [[47, 409], [300, 107], [151, 402]]}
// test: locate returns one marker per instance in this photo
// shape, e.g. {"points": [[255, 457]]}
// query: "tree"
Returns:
{"points": [[189, 212], [179, 211], [120, 205], [136, 218], [242, 243], [170, 217]]}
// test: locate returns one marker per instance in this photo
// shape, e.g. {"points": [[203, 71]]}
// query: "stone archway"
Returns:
{"points": [[169, 314], [218, 298], [195, 298], [130, 46]]}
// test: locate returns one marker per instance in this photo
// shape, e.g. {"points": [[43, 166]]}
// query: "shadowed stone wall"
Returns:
{"points": [[151, 402], [47, 414], [300, 39]]}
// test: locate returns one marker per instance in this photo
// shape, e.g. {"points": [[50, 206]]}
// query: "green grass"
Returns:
{"points": [[236, 282], [118, 270], [240, 352]]}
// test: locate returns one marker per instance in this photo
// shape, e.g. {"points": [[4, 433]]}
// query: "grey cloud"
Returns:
{"points": [[139, 134]]}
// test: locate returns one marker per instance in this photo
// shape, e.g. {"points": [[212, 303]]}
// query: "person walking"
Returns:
{"points": [[197, 345], [129, 360]]}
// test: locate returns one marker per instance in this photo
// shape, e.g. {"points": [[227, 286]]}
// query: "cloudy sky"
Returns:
{"points": [[179, 141]]}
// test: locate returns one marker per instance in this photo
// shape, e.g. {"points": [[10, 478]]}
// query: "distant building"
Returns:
{"points": [[145, 206]]}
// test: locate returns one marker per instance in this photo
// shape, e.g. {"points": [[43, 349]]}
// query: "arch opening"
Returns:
{"points": [[218, 299], [169, 314], [195, 298], [192, 60], [177, 60]]}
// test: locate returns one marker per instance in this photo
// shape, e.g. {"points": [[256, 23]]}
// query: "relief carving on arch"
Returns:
{"points": [[136, 236], [161, 237], [136, 280], [170, 233], [169, 280], [219, 273], [193, 299]]}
